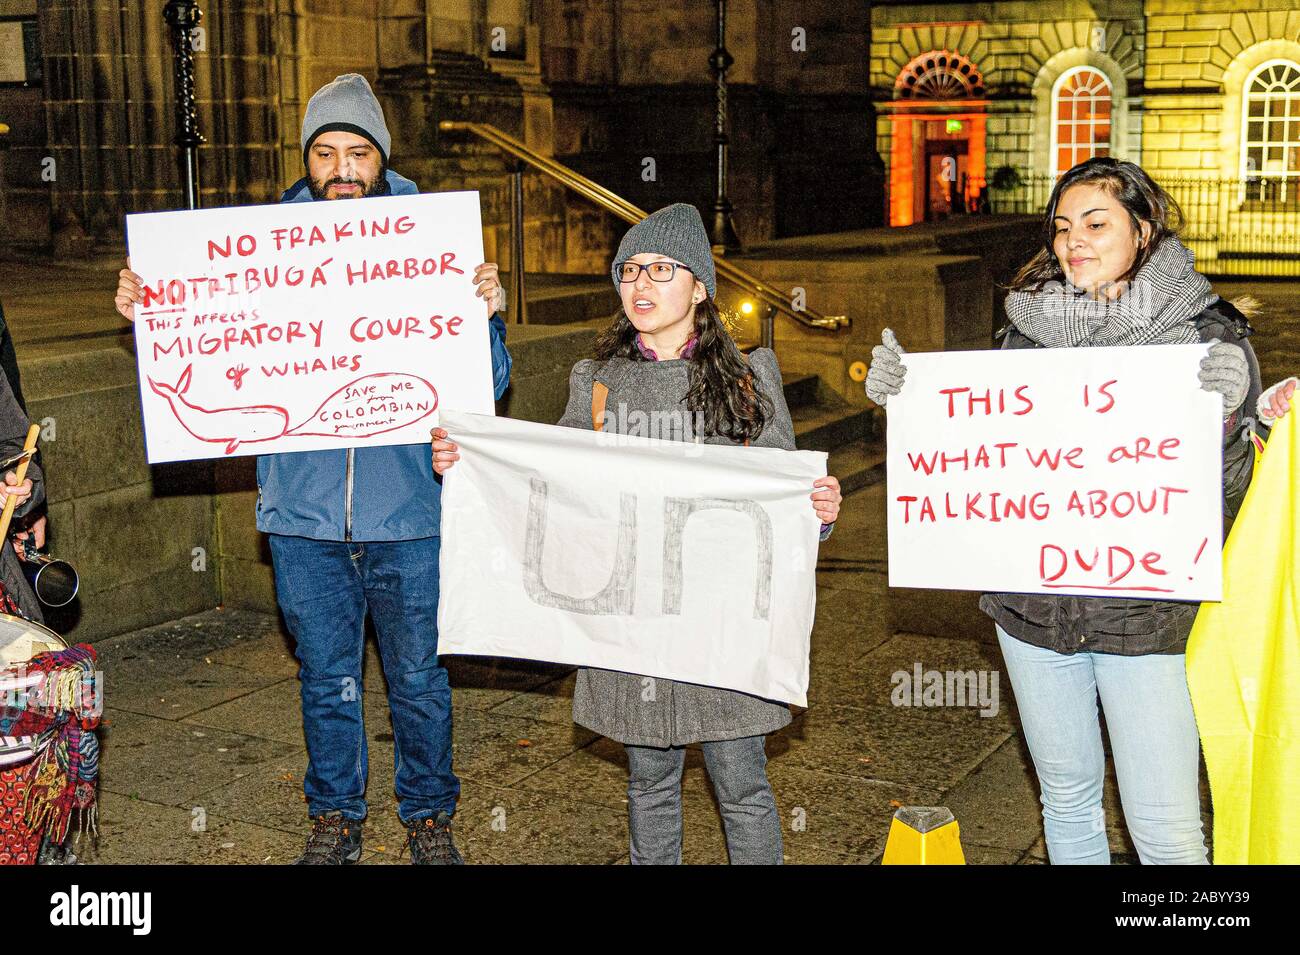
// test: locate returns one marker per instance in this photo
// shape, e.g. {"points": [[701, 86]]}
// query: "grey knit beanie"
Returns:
{"points": [[346, 104], [676, 231]]}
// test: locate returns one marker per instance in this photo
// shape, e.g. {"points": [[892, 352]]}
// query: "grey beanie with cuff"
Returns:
{"points": [[676, 231], [348, 104]]}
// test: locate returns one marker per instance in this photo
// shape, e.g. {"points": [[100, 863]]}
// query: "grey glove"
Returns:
{"points": [[885, 376], [1224, 370]]}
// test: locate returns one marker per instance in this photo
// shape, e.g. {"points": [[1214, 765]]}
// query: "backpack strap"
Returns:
{"points": [[599, 394]]}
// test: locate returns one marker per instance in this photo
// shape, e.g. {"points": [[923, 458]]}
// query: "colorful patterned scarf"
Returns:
{"points": [[51, 704]]}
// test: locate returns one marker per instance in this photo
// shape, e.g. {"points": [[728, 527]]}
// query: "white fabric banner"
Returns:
{"points": [[302, 326], [1066, 470], [683, 561]]}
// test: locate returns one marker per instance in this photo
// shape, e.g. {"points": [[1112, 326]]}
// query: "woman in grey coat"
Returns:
{"points": [[668, 369]]}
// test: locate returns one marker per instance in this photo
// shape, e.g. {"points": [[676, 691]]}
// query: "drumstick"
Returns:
{"points": [[10, 501]]}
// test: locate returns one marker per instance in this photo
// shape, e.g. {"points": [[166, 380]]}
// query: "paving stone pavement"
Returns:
{"points": [[1277, 324], [203, 753], [203, 756]]}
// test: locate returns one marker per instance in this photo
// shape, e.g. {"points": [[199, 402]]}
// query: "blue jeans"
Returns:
{"points": [[1152, 737], [324, 589]]}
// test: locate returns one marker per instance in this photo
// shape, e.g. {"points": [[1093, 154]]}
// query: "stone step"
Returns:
{"points": [[558, 299], [858, 464], [820, 427], [801, 388]]}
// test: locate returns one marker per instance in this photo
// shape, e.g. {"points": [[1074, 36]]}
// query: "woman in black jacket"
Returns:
{"points": [[1112, 272]]}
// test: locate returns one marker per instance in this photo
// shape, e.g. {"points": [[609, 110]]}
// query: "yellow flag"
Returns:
{"points": [[1243, 668]]}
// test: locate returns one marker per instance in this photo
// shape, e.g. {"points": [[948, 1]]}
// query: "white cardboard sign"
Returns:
{"points": [[1083, 470], [663, 558], [308, 325]]}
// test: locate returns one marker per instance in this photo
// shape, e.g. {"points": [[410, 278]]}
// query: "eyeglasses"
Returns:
{"points": [[658, 271]]}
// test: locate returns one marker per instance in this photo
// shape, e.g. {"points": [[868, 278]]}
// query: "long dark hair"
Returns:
{"points": [[722, 395], [1139, 194]]}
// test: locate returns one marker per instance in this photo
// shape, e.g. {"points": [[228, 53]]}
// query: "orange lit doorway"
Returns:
{"points": [[937, 168], [937, 126], [945, 179]]}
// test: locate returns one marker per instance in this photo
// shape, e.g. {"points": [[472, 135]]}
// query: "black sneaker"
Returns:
{"points": [[429, 841], [333, 841]]}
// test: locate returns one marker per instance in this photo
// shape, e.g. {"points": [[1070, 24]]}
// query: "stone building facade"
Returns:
{"points": [[1205, 94], [600, 85]]}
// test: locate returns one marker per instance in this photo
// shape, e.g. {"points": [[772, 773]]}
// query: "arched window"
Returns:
{"points": [[939, 74], [1080, 117], [1270, 154]]}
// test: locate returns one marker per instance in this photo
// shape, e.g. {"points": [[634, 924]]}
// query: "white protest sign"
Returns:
{"points": [[663, 558], [1067, 470], [308, 325]]}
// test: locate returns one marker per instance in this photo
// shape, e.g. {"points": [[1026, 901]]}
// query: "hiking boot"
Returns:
{"points": [[429, 841], [333, 841]]}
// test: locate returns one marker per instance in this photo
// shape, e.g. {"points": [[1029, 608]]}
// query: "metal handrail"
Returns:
{"points": [[618, 206]]}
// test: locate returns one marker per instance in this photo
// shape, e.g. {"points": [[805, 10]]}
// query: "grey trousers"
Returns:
{"points": [[738, 770]]}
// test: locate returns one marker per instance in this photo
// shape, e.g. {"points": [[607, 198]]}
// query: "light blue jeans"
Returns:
{"points": [[1152, 737]]}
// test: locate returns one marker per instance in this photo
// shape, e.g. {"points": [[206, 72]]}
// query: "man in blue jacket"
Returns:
{"points": [[356, 530]]}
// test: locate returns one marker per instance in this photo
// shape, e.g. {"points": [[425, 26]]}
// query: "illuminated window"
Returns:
{"points": [[1270, 155], [1080, 118]]}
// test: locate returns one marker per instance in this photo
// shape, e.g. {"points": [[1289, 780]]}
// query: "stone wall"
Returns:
{"points": [[799, 113], [108, 119], [1178, 71], [1198, 64], [141, 538], [938, 286], [24, 194], [1178, 66], [1021, 49]]}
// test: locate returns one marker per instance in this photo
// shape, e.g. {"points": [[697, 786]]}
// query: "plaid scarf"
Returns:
{"points": [[1155, 309]]}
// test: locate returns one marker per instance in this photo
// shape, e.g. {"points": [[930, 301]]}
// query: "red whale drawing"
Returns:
{"points": [[234, 426], [407, 395]]}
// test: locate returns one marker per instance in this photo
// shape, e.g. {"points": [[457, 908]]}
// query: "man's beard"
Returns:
{"points": [[375, 187]]}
